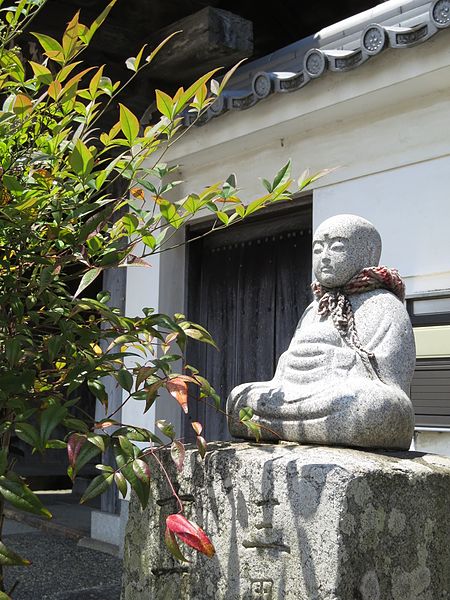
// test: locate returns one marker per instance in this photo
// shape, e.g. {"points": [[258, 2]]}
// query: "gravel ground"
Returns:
{"points": [[60, 570]]}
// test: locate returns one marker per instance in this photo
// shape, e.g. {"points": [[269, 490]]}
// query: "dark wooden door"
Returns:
{"points": [[248, 286]]}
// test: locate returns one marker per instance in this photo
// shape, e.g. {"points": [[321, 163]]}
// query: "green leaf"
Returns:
{"points": [[12, 184], [75, 424], [51, 46], [245, 414], [13, 351], [54, 346], [254, 428], [143, 374], [42, 73], [142, 490], [127, 447], [218, 90], [3, 461], [97, 440], [87, 279], [172, 544], [139, 434], [87, 453], [22, 105], [8, 558], [81, 159], [98, 22], [124, 379], [15, 385], [19, 495], [121, 483], [193, 89], [282, 176], [94, 222], [223, 217], [98, 389], [306, 179], [256, 205], [131, 222], [56, 444], [267, 185], [149, 241], [167, 428], [152, 393], [50, 418], [129, 124], [200, 334], [154, 52], [164, 104], [97, 486], [29, 434]]}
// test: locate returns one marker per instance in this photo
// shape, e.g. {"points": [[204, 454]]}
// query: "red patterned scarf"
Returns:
{"points": [[334, 302]]}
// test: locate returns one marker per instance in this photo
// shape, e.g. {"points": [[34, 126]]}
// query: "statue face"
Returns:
{"points": [[344, 245], [334, 260]]}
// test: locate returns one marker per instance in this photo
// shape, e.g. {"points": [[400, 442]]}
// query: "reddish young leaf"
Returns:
{"points": [[197, 427], [190, 533], [178, 453], [74, 445], [138, 193], [106, 423], [141, 470], [179, 390]]}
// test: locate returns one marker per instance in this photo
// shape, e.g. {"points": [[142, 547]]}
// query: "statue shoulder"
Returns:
{"points": [[381, 309], [308, 314], [377, 300]]}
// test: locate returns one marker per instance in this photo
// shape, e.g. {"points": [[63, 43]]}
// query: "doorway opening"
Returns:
{"points": [[248, 285]]}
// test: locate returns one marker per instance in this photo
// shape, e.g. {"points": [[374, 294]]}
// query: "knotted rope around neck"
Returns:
{"points": [[335, 302]]}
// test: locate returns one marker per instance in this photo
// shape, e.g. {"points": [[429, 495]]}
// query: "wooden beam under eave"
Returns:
{"points": [[210, 38]]}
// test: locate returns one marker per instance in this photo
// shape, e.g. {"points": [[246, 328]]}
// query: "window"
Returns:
{"points": [[430, 388]]}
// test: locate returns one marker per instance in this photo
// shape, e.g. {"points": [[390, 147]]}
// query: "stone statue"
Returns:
{"points": [[345, 377]]}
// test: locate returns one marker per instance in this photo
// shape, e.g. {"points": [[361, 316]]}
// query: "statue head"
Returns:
{"points": [[342, 246]]}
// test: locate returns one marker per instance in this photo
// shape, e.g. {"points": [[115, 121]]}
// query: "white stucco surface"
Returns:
{"points": [[409, 206]]}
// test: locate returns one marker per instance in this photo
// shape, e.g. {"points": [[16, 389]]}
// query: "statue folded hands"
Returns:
{"points": [[345, 377]]}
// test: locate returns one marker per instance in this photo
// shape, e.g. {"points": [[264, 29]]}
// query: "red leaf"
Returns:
{"points": [[74, 445], [191, 534], [179, 390]]}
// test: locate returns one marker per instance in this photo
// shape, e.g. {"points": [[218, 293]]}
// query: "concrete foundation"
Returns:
{"points": [[298, 522]]}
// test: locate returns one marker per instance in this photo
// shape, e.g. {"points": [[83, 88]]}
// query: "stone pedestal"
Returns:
{"points": [[298, 522]]}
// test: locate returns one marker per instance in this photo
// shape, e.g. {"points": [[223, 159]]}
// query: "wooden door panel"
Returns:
{"points": [[249, 289]]}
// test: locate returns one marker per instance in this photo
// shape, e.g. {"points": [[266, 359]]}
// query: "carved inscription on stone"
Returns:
{"points": [[262, 589]]}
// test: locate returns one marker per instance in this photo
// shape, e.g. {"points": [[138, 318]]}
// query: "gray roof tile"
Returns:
{"points": [[341, 47]]}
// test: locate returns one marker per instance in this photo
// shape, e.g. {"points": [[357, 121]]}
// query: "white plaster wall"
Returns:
{"points": [[411, 209], [142, 290], [437, 442]]}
